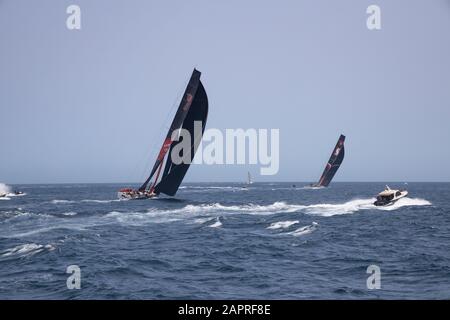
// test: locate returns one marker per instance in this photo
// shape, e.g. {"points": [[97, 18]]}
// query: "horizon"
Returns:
{"points": [[221, 182]]}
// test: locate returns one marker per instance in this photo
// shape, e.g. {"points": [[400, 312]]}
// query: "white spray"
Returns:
{"points": [[4, 189]]}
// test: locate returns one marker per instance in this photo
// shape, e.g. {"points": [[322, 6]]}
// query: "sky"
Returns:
{"points": [[93, 105]]}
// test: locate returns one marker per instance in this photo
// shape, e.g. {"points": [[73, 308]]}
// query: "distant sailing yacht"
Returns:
{"points": [[193, 107], [249, 178], [249, 181], [333, 164]]}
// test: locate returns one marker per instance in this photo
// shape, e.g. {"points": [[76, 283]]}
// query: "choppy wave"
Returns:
{"points": [[27, 249], [69, 226], [282, 224]]}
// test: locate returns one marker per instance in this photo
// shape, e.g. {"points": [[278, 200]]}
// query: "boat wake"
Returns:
{"points": [[353, 206], [406, 202], [205, 213], [311, 188]]}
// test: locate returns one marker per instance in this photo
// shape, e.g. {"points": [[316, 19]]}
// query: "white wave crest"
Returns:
{"points": [[216, 224], [203, 220], [304, 230], [100, 201], [276, 207], [70, 213], [61, 201], [282, 224]]}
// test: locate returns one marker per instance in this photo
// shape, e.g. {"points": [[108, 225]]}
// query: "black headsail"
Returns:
{"points": [[333, 164], [180, 120]]}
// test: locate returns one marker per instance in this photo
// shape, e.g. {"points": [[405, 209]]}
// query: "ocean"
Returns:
{"points": [[224, 241]]}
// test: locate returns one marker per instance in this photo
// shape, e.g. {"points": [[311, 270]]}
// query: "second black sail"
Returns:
{"points": [[333, 163]]}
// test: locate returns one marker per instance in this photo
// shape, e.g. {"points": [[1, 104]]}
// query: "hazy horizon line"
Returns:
{"points": [[233, 182]]}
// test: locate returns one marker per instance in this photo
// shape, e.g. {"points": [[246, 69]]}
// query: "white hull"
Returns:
{"points": [[397, 195]]}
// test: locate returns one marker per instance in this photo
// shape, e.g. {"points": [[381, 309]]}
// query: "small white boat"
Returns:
{"points": [[389, 196]]}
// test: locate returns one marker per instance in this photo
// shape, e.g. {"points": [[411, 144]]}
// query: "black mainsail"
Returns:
{"points": [[333, 163], [193, 107], [174, 173]]}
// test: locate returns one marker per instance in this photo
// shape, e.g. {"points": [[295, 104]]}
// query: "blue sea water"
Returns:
{"points": [[223, 241]]}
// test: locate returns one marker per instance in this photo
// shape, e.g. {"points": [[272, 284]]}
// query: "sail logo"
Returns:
{"points": [[188, 102], [337, 151], [164, 149], [232, 147]]}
